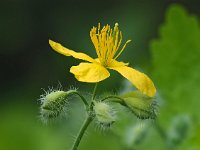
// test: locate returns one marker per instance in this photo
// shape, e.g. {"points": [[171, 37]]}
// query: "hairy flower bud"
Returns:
{"points": [[53, 105], [104, 113], [142, 106]]}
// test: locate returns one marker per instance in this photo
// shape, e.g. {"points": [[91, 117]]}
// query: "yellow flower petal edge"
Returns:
{"points": [[141, 81], [90, 72], [67, 52]]}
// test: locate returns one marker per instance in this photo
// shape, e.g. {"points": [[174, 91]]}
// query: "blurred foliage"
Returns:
{"points": [[176, 67], [176, 62]]}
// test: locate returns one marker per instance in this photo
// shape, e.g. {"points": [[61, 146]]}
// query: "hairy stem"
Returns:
{"points": [[81, 132], [81, 96], [88, 120]]}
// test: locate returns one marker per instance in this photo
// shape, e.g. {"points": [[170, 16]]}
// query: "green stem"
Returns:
{"points": [[160, 131], [81, 132], [94, 91], [81, 96], [163, 135], [88, 120]]}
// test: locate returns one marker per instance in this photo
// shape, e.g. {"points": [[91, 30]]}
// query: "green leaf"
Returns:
{"points": [[176, 67], [176, 62]]}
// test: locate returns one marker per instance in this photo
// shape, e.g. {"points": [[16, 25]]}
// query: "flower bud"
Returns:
{"points": [[142, 106], [53, 105], [104, 113]]}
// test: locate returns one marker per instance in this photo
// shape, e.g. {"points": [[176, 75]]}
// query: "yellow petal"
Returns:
{"points": [[67, 52], [90, 72], [114, 63], [140, 80]]}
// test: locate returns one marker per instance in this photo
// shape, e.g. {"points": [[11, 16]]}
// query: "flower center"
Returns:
{"points": [[107, 42]]}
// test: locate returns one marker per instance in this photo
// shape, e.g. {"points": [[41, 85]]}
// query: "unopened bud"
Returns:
{"points": [[104, 113], [53, 105], [142, 106]]}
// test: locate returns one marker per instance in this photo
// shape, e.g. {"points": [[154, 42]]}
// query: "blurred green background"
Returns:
{"points": [[165, 45]]}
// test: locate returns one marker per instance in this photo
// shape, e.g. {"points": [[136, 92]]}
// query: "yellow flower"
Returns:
{"points": [[107, 42]]}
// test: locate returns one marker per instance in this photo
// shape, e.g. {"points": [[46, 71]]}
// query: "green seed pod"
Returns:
{"points": [[53, 105], [104, 113], [142, 106]]}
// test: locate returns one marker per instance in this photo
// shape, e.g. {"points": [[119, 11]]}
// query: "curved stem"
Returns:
{"points": [[81, 96], [163, 135], [81, 132], [88, 120]]}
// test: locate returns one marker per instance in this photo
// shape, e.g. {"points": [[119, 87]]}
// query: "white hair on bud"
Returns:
{"points": [[105, 115], [53, 104]]}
